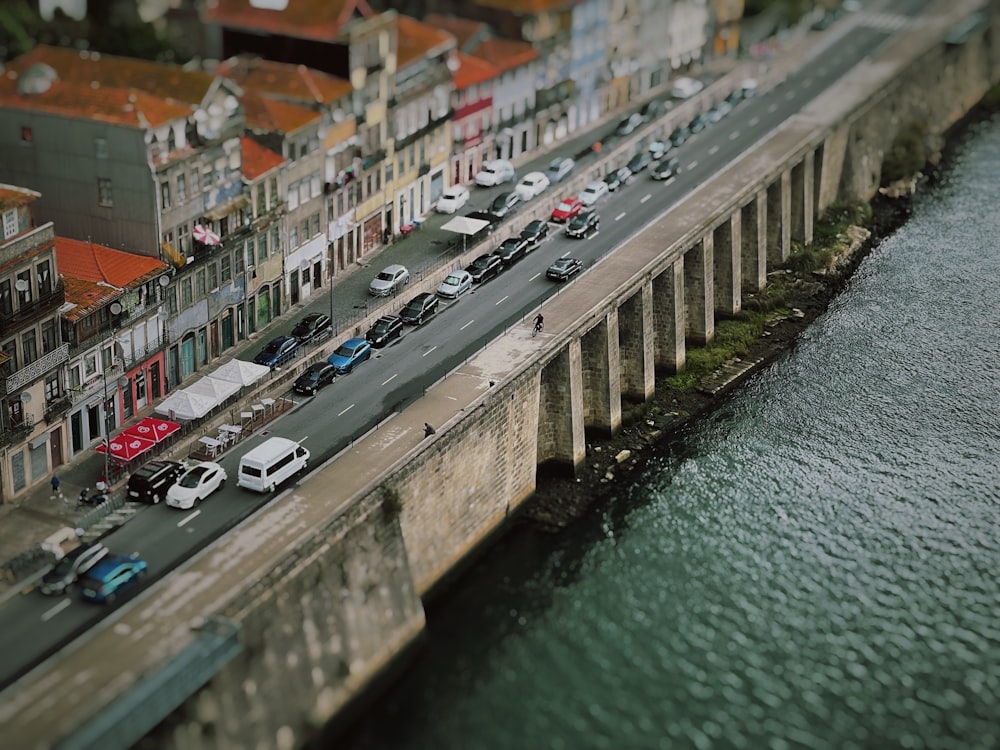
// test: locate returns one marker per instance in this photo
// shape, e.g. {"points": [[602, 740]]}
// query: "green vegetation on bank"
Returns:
{"points": [[908, 155]]}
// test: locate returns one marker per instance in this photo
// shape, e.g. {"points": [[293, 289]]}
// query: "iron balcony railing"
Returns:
{"points": [[37, 369]]}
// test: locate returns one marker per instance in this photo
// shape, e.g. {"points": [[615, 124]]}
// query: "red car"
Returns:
{"points": [[566, 210]]}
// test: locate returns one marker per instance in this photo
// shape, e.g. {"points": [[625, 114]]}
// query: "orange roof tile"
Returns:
{"points": [[12, 196], [258, 160], [505, 54], [302, 19], [472, 70], [285, 81], [462, 29], [157, 79], [93, 275], [416, 40], [271, 116], [526, 7], [128, 107]]}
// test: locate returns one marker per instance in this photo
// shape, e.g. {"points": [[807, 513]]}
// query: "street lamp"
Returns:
{"points": [[116, 309]]}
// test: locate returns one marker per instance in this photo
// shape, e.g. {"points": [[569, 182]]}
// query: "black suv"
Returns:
{"points": [[419, 309], [583, 224], [638, 162], [314, 378], [512, 250], [313, 328], [485, 267], [504, 205], [535, 232], [386, 328], [150, 482]]}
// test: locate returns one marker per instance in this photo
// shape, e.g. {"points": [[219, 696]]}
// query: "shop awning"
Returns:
{"points": [[126, 447], [153, 429]]}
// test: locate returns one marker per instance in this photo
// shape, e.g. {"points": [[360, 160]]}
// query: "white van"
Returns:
{"points": [[270, 464], [495, 172]]}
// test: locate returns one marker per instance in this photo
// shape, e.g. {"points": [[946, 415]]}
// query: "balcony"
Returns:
{"points": [[430, 127], [96, 385], [37, 369], [12, 434], [57, 408], [30, 313], [141, 354], [371, 160]]}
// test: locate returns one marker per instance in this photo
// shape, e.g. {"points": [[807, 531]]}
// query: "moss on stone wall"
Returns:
{"points": [[908, 155]]}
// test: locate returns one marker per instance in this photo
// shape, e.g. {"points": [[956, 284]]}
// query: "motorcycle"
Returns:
{"points": [[98, 498]]}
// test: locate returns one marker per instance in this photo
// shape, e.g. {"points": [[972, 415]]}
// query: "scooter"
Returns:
{"points": [[98, 498]]}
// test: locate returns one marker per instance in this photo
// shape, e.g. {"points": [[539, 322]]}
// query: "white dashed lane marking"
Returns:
{"points": [[390, 379], [428, 351], [467, 325], [346, 410], [56, 609], [620, 216], [188, 518]]}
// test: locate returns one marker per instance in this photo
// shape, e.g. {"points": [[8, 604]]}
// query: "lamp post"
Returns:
{"points": [[116, 309]]}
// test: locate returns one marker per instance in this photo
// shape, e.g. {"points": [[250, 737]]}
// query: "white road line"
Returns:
{"points": [[390, 379], [789, 95], [734, 135], [534, 277], [56, 609], [188, 517], [346, 410], [645, 198], [754, 121], [807, 83], [467, 324], [428, 351], [692, 165], [502, 299], [713, 151], [773, 108], [620, 216]]}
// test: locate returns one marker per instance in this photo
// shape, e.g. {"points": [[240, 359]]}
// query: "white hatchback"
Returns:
{"points": [[531, 185], [456, 284], [195, 484], [593, 192], [452, 199]]}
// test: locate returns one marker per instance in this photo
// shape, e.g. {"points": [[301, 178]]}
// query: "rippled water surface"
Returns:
{"points": [[815, 566]]}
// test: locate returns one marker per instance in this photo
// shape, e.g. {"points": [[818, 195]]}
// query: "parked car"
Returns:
{"points": [[559, 169], [389, 281], [384, 330], [351, 353], [111, 577], [452, 199], [195, 484], [748, 86], [315, 377], [638, 162], [512, 250], [666, 169], [278, 351], [699, 123], [564, 269], [455, 284], [74, 564], [504, 205], [566, 210], [485, 267], [593, 192], [658, 149], [495, 172], [685, 88], [617, 177], [680, 135], [419, 309], [583, 225], [313, 327], [719, 111], [150, 482], [629, 125], [531, 185], [535, 231], [652, 109]]}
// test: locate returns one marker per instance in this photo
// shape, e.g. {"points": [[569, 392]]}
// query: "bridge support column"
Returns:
{"points": [[779, 211], [753, 243], [727, 266], [560, 415], [699, 291], [669, 318], [637, 344], [601, 366], [802, 200]]}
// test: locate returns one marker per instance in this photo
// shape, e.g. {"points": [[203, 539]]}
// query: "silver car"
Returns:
{"points": [[65, 572], [389, 281]]}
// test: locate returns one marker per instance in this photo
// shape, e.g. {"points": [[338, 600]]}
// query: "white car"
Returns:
{"points": [[685, 88], [389, 281], [531, 185], [495, 172], [195, 484], [593, 192], [456, 284], [452, 199]]}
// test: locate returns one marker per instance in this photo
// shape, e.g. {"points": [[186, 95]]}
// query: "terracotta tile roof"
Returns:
{"points": [[258, 160], [416, 40], [128, 107], [285, 81], [461, 28], [93, 274], [302, 19], [12, 196], [267, 115], [157, 79], [526, 7], [505, 54], [471, 71]]}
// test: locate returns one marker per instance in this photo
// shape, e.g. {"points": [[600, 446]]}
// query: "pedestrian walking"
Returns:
{"points": [[55, 486]]}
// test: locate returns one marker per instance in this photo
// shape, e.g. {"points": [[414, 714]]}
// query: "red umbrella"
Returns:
{"points": [[153, 429], [126, 447], [205, 235]]}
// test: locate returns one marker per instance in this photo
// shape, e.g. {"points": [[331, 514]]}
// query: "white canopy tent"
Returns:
{"points": [[186, 406], [238, 371], [219, 390], [465, 226]]}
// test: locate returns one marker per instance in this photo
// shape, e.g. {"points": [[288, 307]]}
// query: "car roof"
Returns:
{"points": [[355, 341], [394, 268], [387, 319]]}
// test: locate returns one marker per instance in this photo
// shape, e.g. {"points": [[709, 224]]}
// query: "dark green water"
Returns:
{"points": [[815, 566]]}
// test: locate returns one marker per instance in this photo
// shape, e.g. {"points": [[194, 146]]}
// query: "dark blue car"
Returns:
{"points": [[111, 577], [278, 351]]}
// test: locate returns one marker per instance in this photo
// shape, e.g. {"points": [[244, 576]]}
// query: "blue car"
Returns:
{"points": [[351, 352], [278, 351], [109, 578]]}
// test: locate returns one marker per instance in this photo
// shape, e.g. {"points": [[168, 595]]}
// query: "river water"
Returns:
{"points": [[817, 565]]}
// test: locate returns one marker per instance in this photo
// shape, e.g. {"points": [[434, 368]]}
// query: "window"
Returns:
{"points": [[74, 377], [182, 190], [262, 248], [165, 194], [184, 239], [170, 297], [90, 365], [26, 135], [241, 256], [171, 141], [261, 199], [227, 266], [315, 186], [213, 276], [293, 196], [186, 297], [10, 350], [195, 182], [303, 190], [23, 287], [293, 238], [44, 273], [275, 241], [101, 148], [199, 284], [104, 192], [208, 175], [314, 225], [107, 358], [50, 337], [52, 387], [273, 192], [29, 346], [9, 223]]}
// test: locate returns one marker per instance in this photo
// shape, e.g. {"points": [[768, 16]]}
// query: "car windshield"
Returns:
{"points": [[193, 477], [481, 262], [452, 281], [344, 351], [381, 326], [565, 206], [63, 567], [384, 276], [489, 170], [272, 347]]}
